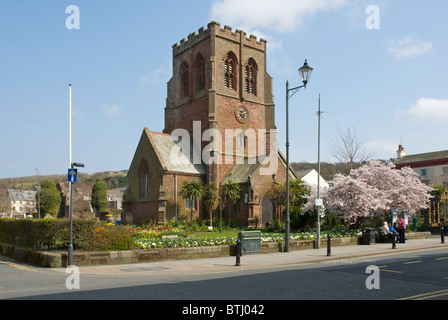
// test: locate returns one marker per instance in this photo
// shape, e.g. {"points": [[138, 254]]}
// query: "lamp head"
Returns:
{"points": [[77, 164], [305, 72]]}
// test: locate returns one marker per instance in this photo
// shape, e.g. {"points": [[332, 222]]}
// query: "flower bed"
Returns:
{"points": [[148, 239]]}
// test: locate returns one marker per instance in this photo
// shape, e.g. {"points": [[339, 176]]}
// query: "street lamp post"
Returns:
{"points": [[305, 73]]}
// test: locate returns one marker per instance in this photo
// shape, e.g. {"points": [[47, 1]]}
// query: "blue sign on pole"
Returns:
{"points": [[73, 175]]}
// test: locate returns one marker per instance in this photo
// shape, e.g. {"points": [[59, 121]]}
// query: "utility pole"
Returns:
{"points": [[318, 204]]}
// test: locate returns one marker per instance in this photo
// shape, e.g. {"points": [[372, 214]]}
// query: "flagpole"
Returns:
{"points": [[70, 126], [70, 246]]}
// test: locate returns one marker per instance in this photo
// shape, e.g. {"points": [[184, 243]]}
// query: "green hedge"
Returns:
{"points": [[54, 234]]}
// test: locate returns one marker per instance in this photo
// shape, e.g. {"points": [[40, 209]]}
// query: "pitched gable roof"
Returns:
{"points": [[423, 157], [172, 157], [437, 156], [243, 171]]}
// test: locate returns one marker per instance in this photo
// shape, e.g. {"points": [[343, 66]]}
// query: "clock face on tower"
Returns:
{"points": [[242, 114]]}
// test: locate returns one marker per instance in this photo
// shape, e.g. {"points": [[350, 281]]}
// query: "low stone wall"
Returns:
{"points": [[59, 259]]}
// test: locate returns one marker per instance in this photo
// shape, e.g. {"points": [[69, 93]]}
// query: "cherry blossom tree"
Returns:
{"points": [[400, 189], [351, 198], [375, 187]]}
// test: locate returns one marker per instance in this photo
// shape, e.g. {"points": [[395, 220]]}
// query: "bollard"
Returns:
{"points": [[442, 234], [394, 242], [238, 253], [328, 245]]}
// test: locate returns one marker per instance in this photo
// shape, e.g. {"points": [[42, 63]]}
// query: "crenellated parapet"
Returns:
{"points": [[214, 29]]}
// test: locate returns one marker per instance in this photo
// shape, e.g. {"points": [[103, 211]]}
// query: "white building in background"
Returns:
{"points": [[432, 167], [23, 203], [310, 177]]}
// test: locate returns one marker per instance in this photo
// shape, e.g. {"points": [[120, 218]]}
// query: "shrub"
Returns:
{"points": [[55, 234], [49, 199], [110, 238]]}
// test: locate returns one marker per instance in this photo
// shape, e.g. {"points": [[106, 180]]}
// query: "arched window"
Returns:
{"points": [[230, 71], [185, 79], [250, 74], [200, 70], [143, 174]]}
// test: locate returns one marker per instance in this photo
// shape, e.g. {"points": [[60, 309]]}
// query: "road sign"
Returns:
{"points": [[73, 175]]}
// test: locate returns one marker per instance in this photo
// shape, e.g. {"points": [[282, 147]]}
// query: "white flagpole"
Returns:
{"points": [[70, 126], [70, 246]]}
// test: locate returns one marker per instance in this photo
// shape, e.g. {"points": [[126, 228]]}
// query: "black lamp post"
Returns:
{"points": [[305, 73]]}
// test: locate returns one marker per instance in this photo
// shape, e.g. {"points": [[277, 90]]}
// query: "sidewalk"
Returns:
{"points": [[261, 261]]}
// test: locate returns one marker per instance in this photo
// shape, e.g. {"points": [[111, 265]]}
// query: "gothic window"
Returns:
{"points": [[200, 65], [250, 74], [229, 71], [143, 174], [185, 79], [242, 140]]}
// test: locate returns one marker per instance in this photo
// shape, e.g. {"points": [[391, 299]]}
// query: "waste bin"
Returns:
{"points": [[250, 242], [368, 236]]}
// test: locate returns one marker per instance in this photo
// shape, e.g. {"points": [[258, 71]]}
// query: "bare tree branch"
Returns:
{"points": [[349, 148]]}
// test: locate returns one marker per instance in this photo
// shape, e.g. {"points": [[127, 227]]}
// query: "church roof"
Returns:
{"points": [[171, 155], [241, 172]]}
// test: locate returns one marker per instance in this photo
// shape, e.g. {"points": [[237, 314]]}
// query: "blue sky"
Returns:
{"points": [[389, 82]]}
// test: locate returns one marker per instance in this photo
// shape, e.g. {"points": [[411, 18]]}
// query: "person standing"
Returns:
{"points": [[401, 229]]}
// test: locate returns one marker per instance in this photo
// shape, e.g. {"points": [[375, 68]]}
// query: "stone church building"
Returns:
{"points": [[219, 127]]}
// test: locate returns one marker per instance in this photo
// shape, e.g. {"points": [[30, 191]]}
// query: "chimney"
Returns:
{"points": [[400, 152]]}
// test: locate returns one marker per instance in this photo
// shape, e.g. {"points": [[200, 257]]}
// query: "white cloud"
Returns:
{"points": [[425, 110], [158, 76], [408, 47], [382, 148], [281, 15], [113, 111]]}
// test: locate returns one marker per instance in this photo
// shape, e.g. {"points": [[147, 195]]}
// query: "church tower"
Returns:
{"points": [[220, 107], [220, 82]]}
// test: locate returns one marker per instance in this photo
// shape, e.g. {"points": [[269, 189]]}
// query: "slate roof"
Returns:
{"points": [[422, 157], [241, 172], [17, 195], [172, 157]]}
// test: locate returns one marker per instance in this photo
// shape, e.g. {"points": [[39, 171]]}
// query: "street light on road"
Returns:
{"points": [[305, 73]]}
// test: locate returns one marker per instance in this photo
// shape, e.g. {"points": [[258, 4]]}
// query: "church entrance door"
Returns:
{"points": [[267, 209]]}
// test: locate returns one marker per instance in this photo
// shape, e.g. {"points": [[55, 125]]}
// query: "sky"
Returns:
{"points": [[379, 67]]}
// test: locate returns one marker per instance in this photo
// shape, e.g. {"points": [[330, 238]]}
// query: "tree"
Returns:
{"points": [[298, 192], [193, 191], [99, 196], [400, 189], [411, 194], [351, 199], [210, 198], [349, 148], [228, 192], [375, 187], [49, 199]]}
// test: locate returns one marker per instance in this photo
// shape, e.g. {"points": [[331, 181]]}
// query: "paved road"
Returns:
{"points": [[412, 274]]}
